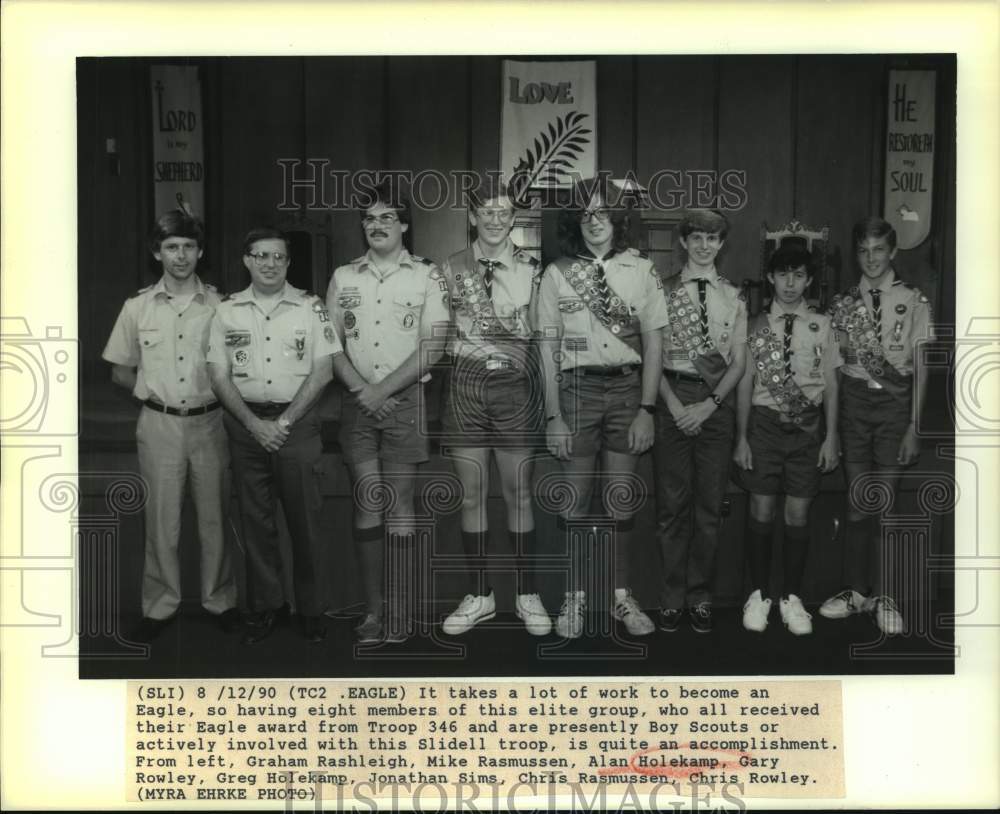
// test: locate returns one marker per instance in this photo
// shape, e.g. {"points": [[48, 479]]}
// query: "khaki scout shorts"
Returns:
{"points": [[784, 457], [872, 423], [399, 438], [599, 410], [493, 406]]}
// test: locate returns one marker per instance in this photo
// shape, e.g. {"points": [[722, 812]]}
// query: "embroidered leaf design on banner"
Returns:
{"points": [[554, 152]]}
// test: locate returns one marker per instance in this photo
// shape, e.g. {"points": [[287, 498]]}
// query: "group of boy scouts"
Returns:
{"points": [[594, 358]]}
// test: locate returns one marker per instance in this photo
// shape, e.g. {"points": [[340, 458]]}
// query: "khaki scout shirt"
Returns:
{"points": [[271, 354], [380, 312], [166, 338], [906, 318], [514, 282], [814, 352], [587, 342], [727, 319]]}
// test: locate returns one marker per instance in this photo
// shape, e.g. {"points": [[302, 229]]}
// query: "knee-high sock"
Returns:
{"points": [[795, 552], [758, 555], [523, 544], [858, 554], [401, 573], [624, 530], [369, 543], [475, 545]]}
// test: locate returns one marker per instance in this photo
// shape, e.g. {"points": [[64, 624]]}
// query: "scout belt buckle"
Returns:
{"points": [[182, 411]]}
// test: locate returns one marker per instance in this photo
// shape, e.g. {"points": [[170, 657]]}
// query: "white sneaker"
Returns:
{"points": [[796, 618], [569, 625], [887, 616], [755, 612], [628, 612], [470, 612], [844, 604], [531, 611]]}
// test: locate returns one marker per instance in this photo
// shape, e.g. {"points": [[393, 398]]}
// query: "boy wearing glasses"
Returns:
{"points": [[494, 407], [791, 369], [157, 351], [385, 306], [703, 361], [600, 312], [880, 323], [269, 360]]}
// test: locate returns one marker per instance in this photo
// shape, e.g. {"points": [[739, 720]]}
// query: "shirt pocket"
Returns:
{"points": [[295, 351], [721, 325], [575, 316], [152, 347], [407, 306]]}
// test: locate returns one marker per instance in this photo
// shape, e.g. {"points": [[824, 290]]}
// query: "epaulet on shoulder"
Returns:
{"points": [[425, 260], [638, 253], [911, 287], [729, 282], [141, 291], [522, 255]]}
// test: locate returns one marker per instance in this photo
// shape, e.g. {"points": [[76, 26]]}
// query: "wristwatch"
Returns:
{"points": [[649, 408], [717, 399], [284, 423]]}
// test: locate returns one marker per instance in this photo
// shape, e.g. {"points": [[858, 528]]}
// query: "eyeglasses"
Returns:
{"points": [[261, 258], [385, 219], [503, 215], [600, 215]]}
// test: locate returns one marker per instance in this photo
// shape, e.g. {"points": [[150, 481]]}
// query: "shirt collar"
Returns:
{"points": [[689, 275], [505, 258], [161, 288], [289, 294], [368, 262], [801, 310], [587, 254], [888, 281]]}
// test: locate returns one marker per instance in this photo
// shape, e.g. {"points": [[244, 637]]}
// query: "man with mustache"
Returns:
{"points": [[385, 306], [157, 351]]}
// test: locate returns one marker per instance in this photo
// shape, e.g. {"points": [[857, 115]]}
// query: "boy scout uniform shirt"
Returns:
{"points": [[514, 281], [814, 351], [585, 340], [906, 318], [166, 338], [271, 354], [727, 320], [381, 311]]}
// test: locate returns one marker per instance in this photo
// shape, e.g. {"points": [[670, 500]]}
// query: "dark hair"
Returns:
{"points": [[175, 223], [387, 194], [873, 226], [571, 242], [264, 233], [710, 221], [789, 258], [491, 186]]}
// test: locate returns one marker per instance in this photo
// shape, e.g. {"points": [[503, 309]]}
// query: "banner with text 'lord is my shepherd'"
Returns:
{"points": [[549, 123]]}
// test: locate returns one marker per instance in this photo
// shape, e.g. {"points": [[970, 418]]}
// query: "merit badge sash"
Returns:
{"points": [[767, 354], [851, 315], [582, 277], [685, 332], [468, 287]]}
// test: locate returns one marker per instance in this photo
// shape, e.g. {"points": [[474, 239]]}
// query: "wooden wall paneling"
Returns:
{"points": [[616, 114], [484, 105], [755, 136], [345, 123], [262, 122], [428, 98], [838, 127]]}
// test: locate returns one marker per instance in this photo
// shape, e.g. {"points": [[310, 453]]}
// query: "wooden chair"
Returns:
{"points": [[816, 241]]}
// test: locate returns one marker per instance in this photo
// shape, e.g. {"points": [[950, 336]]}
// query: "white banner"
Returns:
{"points": [[909, 155], [549, 122], [178, 143]]}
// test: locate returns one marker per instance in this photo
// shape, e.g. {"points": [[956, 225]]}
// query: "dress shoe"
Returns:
{"points": [[149, 629], [313, 628], [230, 620], [259, 627]]}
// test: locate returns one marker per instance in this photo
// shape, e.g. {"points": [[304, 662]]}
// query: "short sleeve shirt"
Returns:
{"points": [[906, 319], [814, 353], [166, 339], [514, 282], [727, 320], [586, 341], [270, 354], [380, 312]]}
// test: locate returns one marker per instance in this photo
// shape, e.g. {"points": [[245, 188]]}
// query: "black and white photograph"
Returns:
{"points": [[420, 360]]}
